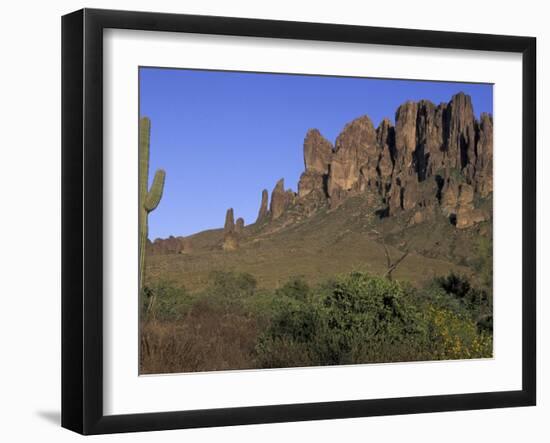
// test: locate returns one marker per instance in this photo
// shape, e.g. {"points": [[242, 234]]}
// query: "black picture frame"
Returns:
{"points": [[82, 218]]}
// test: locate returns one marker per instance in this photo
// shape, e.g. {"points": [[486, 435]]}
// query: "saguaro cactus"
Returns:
{"points": [[148, 198]]}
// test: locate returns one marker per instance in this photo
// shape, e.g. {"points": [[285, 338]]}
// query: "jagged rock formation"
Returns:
{"points": [[353, 167], [436, 160], [317, 152], [484, 157], [230, 237], [263, 212], [436, 157], [281, 199]]}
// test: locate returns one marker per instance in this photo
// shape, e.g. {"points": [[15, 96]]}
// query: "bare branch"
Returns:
{"points": [[391, 265], [388, 256]]}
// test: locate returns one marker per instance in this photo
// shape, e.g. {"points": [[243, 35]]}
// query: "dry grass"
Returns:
{"points": [[208, 339]]}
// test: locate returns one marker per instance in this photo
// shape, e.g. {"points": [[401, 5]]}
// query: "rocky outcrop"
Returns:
{"points": [[170, 245], [230, 237], [263, 212], [233, 231], [484, 158], [317, 152], [435, 158], [311, 182], [460, 143], [354, 161], [229, 225], [458, 204], [385, 139], [239, 226], [281, 199]]}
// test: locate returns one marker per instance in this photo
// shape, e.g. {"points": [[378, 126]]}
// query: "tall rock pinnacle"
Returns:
{"points": [[280, 199], [230, 237], [229, 225], [317, 152], [263, 212]]}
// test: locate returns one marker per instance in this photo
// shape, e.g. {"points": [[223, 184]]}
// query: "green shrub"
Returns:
{"points": [[460, 288], [165, 301], [231, 285], [355, 318], [454, 284], [295, 288], [291, 335], [358, 318], [296, 320], [367, 316]]}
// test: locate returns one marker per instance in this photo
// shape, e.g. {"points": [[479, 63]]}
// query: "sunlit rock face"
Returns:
{"points": [[434, 158]]}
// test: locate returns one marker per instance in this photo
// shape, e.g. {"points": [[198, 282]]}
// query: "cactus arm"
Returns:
{"points": [[153, 197]]}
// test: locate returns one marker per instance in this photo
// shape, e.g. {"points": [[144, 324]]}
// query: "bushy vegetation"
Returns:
{"points": [[351, 319], [164, 301]]}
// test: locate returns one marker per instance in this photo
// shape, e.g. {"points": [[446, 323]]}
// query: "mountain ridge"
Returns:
{"points": [[435, 162]]}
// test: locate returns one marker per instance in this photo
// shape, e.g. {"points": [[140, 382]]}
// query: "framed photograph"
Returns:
{"points": [[268, 221]]}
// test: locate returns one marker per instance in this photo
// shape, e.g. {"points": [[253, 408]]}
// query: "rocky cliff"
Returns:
{"points": [[434, 158]]}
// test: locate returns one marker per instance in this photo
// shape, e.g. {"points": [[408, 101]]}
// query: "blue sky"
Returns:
{"points": [[222, 137]]}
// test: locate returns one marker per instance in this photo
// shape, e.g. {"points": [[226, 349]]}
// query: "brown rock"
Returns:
{"points": [[403, 186], [369, 177], [385, 138], [468, 217], [263, 212], [449, 196], [239, 225], [311, 181], [230, 237], [484, 160], [428, 156], [410, 193], [460, 143], [280, 199], [466, 214], [356, 147], [358, 135], [317, 152], [405, 136], [229, 225], [435, 158], [170, 245], [465, 195]]}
